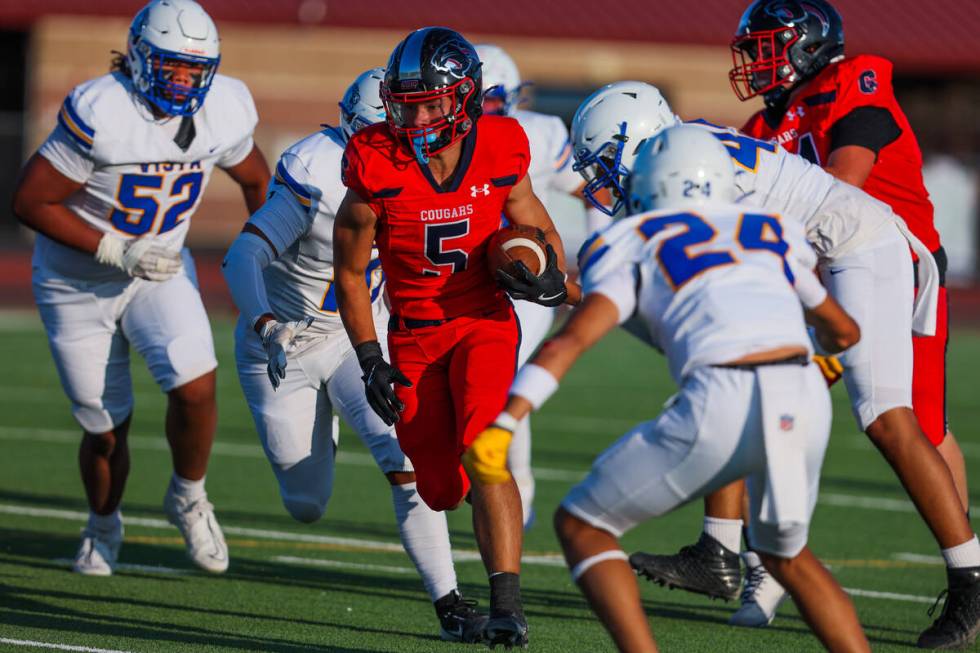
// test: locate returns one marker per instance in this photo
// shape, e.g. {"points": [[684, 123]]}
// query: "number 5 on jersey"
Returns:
{"points": [[137, 195]]}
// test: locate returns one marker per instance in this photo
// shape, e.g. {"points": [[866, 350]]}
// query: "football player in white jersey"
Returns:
{"points": [[551, 173], [296, 364], [718, 288], [110, 194], [864, 261]]}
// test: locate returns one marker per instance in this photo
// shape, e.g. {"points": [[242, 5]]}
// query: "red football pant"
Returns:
{"points": [[929, 375], [461, 373]]}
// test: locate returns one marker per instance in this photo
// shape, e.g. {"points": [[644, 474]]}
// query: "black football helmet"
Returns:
{"points": [[432, 90], [781, 43]]}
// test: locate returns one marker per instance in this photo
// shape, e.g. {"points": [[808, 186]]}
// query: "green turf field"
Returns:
{"points": [[345, 585]]}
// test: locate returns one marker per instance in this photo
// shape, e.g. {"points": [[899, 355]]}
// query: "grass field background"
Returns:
{"points": [[343, 584]]}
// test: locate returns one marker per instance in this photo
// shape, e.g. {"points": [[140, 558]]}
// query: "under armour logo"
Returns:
{"points": [[792, 114], [476, 190]]}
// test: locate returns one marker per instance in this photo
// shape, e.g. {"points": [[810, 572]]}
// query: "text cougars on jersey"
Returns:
{"points": [[462, 211]]}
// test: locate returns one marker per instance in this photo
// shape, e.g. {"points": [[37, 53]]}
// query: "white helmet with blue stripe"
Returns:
{"points": [[361, 105], [501, 79], [165, 38], [608, 130], [681, 166]]}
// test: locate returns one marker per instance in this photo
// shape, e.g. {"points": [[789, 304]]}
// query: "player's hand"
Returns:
{"points": [[378, 377], [830, 367], [547, 289], [486, 459], [144, 257], [277, 339]]}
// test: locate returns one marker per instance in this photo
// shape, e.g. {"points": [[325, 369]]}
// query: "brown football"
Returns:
{"points": [[517, 243]]}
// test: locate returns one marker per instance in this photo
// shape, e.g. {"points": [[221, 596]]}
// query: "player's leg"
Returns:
{"points": [[874, 285], [92, 359], [606, 580], [166, 323], [424, 532], [480, 378], [294, 424], [952, 455], [535, 321], [688, 450]]}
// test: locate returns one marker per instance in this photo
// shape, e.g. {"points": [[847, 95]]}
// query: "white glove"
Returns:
{"points": [[278, 338], [139, 257]]}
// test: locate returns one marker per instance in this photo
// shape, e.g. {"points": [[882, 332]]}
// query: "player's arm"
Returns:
{"points": [[855, 141], [549, 288], [252, 175], [353, 238], [835, 330], [486, 459], [39, 205]]}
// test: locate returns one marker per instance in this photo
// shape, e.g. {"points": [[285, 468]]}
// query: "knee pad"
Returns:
{"points": [[304, 510]]}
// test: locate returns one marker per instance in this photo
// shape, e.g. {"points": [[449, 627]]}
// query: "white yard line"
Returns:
{"points": [[338, 564], [920, 558], [59, 647], [892, 596], [125, 566]]}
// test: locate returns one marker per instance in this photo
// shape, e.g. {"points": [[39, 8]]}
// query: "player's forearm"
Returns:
{"points": [[242, 268], [354, 303], [835, 330], [58, 223], [254, 195]]}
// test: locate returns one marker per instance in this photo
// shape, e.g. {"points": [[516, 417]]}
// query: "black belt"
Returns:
{"points": [[396, 323], [798, 359]]}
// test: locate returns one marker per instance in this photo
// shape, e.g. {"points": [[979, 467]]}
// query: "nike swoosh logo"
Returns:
{"points": [[837, 271], [212, 149], [549, 298]]}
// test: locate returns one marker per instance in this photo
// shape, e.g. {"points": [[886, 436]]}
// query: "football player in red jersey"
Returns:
{"points": [[429, 188], [841, 112]]}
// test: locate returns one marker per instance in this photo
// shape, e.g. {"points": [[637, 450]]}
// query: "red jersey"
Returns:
{"points": [[806, 128], [432, 241]]}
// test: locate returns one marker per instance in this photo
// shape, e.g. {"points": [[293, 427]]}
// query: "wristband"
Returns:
{"points": [[367, 351], [535, 384], [506, 421]]}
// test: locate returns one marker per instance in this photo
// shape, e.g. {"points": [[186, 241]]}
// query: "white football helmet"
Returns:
{"points": [[501, 79], [361, 105], [166, 33], [681, 166], [608, 130]]}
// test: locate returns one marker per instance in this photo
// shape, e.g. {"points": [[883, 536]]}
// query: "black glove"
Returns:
{"points": [[547, 289], [378, 377]]}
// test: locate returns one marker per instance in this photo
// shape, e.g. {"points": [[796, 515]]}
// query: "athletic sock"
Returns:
{"points": [[963, 555], [105, 523], [505, 592], [425, 536], [726, 531], [519, 463], [188, 490]]}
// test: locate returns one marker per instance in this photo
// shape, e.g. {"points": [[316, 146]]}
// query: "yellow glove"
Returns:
{"points": [[486, 459], [830, 367]]}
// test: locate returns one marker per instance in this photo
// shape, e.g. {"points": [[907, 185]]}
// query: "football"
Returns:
{"points": [[517, 243]]}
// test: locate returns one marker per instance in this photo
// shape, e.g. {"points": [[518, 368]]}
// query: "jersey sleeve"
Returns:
{"points": [[607, 266], [352, 170], [69, 146], [282, 218], [520, 150], [801, 259], [295, 178], [565, 179], [245, 120], [862, 112]]}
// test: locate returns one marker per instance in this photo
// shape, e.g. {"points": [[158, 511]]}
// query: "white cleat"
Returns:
{"points": [[761, 595], [205, 542], [98, 552]]}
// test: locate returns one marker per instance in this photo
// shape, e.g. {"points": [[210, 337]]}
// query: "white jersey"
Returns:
{"points": [[298, 218], [837, 216], [708, 287], [136, 180], [551, 154]]}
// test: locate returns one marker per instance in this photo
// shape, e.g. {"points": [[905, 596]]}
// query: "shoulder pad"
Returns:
{"points": [[81, 109]]}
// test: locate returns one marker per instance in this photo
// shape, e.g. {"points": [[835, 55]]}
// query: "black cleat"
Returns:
{"points": [[705, 567], [458, 620], [959, 622], [507, 628]]}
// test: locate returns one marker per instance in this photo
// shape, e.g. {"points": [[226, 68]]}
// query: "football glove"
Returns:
{"points": [[139, 257], [830, 367], [486, 459], [547, 289], [378, 377], [278, 338]]}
